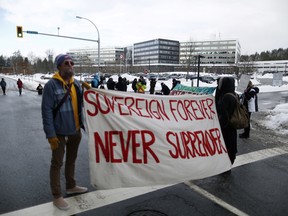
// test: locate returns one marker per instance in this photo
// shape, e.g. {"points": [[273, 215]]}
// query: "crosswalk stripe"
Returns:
{"points": [[100, 198], [215, 199]]}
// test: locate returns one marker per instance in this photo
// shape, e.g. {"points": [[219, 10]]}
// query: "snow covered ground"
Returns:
{"points": [[277, 119]]}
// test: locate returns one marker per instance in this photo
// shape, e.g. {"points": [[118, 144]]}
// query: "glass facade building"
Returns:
{"points": [[156, 52]]}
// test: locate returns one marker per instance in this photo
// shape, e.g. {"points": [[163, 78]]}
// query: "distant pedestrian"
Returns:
{"points": [[95, 81], [126, 82], [134, 85], [152, 85], [3, 86], [121, 85], [39, 89], [174, 83], [111, 84], [20, 86], [165, 89], [250, 101], [141, 85]]}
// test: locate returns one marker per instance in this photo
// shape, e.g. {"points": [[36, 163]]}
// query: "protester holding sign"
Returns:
{"points": [[225, 104]]}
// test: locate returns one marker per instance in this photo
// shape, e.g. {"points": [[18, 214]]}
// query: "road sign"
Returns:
{"points": [[31, 32]]}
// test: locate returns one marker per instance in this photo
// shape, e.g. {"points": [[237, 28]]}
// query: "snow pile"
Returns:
{"points": [[278, 119]]}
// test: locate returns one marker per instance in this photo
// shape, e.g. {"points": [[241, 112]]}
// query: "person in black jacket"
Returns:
{"points": [[3, 86], [152, 85], [134, 85], [225, 105], [174, 83], [165, 89], [111, 84], [39, 89], [121, 85]]}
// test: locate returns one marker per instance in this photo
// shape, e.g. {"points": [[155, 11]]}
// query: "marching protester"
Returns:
{"points": [[3, 86], [62, 119], [39, 89], [225, 105], [20, 86], [250, 101]]}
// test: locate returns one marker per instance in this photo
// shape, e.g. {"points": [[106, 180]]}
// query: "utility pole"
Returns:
{"points": [[198, 76]]}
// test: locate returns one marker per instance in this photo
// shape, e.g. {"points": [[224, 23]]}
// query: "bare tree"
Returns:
{"points": [[17, 62], [50, 54], [246, 66], [187, 59]]}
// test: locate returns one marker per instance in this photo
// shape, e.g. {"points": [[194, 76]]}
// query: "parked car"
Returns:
{"points": [[191, 76], [207, 79], [152, 76], [163, 77]]}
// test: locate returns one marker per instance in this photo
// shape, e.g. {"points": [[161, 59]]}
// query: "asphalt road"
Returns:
{"points": [[257, 184]]}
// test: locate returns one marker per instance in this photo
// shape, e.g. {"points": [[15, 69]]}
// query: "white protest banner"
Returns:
{"points": [[142, 139]]}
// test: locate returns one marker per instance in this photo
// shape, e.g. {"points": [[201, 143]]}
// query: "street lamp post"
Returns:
{"points": [[149, 65], [97, 41]]}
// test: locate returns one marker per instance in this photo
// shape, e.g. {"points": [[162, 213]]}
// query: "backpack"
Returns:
{"points": [[240, 117]]}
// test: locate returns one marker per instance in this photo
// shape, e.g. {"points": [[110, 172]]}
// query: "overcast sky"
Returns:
{"points": [[259, 25]]}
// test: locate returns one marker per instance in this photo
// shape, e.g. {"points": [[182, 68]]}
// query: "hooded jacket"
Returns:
{"points": [[225, 104], [95, 81], [69, 118]]}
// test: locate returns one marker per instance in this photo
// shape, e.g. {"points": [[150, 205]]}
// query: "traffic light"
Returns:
{"points": [[19, 32]]}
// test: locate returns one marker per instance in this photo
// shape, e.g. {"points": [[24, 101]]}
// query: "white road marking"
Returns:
{"points": [[100, 198], [259, 155], [215, 199]]}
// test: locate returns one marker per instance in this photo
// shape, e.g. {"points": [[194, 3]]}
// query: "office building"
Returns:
{"points": [[215, 51], [156, 54]]}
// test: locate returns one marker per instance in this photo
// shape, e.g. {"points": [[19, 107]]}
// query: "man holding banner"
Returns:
{"points": [[62, 120]]}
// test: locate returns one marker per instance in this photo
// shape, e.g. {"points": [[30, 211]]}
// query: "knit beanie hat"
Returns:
{"points": [[61, 58]]}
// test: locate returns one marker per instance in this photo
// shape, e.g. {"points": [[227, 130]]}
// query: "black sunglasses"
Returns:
{"points": [[69, 63]]}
